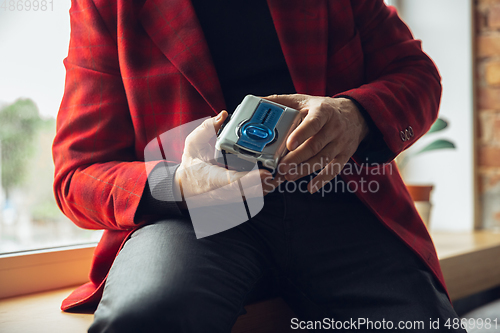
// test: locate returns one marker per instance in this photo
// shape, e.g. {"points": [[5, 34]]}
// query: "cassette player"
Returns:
{"points": [[257, 131]]}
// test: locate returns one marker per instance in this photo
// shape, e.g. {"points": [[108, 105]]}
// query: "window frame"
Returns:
{"points": [[46, 269]]}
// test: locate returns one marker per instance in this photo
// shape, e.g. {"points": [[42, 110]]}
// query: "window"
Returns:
{"points": [[445, 28], [34, 43]]}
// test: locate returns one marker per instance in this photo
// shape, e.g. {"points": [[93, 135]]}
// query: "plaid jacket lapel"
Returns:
{"points": [[174, 28], [302, 28]]}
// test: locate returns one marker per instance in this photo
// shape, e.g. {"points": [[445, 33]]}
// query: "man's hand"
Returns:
{"points": [[330, 133], [198, 175]]}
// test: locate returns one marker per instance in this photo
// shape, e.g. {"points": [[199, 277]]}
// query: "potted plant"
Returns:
{"points": [[421, 193]]}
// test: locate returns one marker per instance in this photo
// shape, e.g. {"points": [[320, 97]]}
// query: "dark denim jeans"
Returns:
{"points": [[326, 255]]}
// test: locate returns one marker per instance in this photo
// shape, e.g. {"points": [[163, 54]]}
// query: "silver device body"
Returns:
{"points": [[257, 131]]}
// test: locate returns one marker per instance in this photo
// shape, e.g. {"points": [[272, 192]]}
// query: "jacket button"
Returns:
{"points": [[410, 130], [402, 136], [407, 134]]}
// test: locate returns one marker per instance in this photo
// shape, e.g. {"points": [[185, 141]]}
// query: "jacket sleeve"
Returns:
{"points": [[402, 90], [99, 181]]}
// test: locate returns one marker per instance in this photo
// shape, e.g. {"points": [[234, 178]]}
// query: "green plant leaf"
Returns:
{"points": [[438, 144], [438, 125]]}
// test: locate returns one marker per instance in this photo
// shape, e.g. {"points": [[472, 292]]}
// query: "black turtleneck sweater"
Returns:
{"points": [[245, 49]]}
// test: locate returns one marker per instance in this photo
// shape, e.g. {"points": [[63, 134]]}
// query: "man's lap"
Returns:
{"points": [[328, 256]]}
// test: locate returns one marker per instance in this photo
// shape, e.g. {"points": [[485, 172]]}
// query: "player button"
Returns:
{"points": [[257, 133]]}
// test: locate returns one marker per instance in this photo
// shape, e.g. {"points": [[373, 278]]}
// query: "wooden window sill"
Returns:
{"points": [[469, 261]]}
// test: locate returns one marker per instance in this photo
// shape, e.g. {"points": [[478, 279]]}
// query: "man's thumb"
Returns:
{"points": [[219, 120]]}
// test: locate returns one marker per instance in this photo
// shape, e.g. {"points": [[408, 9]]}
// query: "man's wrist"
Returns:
{"points": [[177, 189], [357, 117]]}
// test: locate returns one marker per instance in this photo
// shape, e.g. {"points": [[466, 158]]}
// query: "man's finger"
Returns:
{"points": [[294, 101], [313, 164], [292, 162], [316, 145], [207, 130], [219, 120], [311, 125], [327, 174]]}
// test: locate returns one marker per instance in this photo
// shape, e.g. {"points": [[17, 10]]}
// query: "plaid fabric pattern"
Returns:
{"points": [[136, 69]]}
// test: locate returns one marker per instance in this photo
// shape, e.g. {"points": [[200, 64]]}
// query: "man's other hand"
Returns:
{"points": [[330, 133], [198, 175]]}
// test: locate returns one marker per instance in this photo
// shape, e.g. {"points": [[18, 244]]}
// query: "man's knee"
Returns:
{"points": [[180, 312], [124, 320]]}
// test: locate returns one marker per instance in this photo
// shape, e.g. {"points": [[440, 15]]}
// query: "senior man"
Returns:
{"points": [[366, 92]]}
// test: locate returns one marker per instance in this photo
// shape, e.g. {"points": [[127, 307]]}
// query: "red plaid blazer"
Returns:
{"points": [[136, 69]]}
